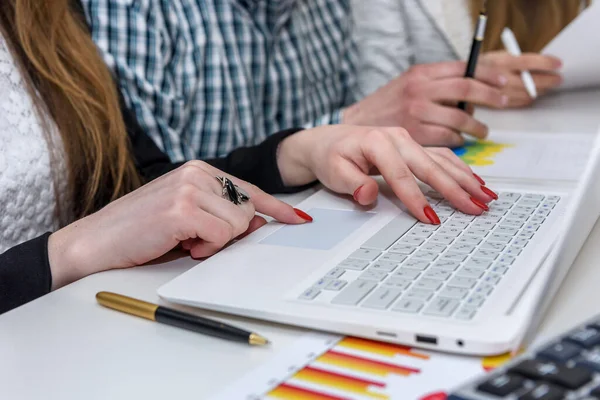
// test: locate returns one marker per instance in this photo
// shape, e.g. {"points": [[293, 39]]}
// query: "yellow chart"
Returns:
{"points": [[480, 153]]}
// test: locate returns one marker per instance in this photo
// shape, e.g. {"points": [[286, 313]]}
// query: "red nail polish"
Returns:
{"points": [[355, 194], [479, 179], [480, 204], [489, 193], [431, 215], [303, 215]]}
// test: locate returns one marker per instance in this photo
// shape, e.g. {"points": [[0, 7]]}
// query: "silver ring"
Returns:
{"points": [[232, 192]]}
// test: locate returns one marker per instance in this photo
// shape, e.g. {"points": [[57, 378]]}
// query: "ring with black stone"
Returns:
{"points": [[232, 192]]}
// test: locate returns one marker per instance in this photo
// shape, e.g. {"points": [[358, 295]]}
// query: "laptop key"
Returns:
{"points": [[437, 274], [414, 240], [418, 294], [365, 254], [475, 300], [353, 264], [309, 294], [392, 257], [390, 233], [441, 307], [466, 313], [512, 224], [520, 242], [506, 259], [373, 275], [336, 285], [385, 266], [482, 263], [322, 283], [499, 269], [500, 238], [505, 230], [448, 265], [442, 239], [484, 288], [492, 246], [409, 306], [425, 255], [462, 248], [427, 284], [416, 264], [509, 196], [454, 292], [488, 254], [398, 282], [462, 282], [407, 273], [352, 294], [467, 239], [470, 272], [434, 247], [382, 298], [403, 249], [335, 273]]}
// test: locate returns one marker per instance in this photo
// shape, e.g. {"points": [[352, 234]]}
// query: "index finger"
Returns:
{"points": [[380, 151], [535, 62]]}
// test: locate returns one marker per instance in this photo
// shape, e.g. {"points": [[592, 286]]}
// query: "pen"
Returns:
{"points": [[512, 46], [179, 319], [475, 49]]}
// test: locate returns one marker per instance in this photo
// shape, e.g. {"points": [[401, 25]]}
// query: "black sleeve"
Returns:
{"points": [[24, 273], [256, 164]]}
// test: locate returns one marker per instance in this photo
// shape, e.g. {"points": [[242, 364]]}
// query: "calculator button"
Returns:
{"points": [[570, 378], [502, 385], [586, 337], [560, 352], [543, 391], [590, 360]]}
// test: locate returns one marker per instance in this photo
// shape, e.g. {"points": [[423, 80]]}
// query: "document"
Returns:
{"points": [[528, 156], [324, 366], [578, 46]]}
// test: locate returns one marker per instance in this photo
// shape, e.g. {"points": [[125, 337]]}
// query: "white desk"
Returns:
{"points": [[65, 346]]}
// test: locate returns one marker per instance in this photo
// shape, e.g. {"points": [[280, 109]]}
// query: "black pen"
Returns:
{"points": [[475, 49], [179, 319]]}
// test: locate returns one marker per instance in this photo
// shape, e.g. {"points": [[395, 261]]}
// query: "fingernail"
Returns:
{"points": [[431, 215], [479, 179], [355, 195], [480, 204], [303, 215], [502, 80], [489, 193], [504, 100]]}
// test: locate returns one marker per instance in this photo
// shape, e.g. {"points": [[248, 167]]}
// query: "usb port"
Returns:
{"points": [[426, 339]]}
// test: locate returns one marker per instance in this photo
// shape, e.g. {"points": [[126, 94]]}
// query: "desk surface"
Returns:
{"points": [[65, 346]]}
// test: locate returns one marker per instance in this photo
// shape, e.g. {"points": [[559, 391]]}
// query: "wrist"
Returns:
{"points": [[351, 115], [69, 256], [293, 159]]}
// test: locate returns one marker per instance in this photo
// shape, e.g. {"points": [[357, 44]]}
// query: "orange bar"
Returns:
{"points": [[285, 391], [364, 365], [339, 381], [384, 349]]}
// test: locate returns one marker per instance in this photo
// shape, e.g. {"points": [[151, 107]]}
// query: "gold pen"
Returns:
{"points": [[179, 319]]}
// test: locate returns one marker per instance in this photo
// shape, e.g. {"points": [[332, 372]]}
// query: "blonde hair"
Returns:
{"points": [[534, 22], [69, 80]]}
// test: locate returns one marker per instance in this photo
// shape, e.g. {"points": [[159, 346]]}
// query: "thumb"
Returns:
{"points": [[352, 180]]}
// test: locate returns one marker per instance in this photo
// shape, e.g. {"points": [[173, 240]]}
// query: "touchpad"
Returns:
{"points": [[329, 227]]}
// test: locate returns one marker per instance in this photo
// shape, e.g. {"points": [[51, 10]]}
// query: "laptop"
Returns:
{"points": [[379, 273]]}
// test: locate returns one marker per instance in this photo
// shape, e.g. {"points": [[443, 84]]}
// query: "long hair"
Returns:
{"points": [[534, 22], [69, 81]]}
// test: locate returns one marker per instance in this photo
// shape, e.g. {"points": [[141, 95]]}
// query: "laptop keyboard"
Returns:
{"points": [[446, 270]]}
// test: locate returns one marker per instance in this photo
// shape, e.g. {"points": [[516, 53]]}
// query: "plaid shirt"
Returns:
{"points": [[207, 76]]}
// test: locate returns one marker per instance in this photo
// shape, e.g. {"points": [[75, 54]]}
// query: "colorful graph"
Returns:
{"points": [[480, 153], [328, 367], [353, 367]]}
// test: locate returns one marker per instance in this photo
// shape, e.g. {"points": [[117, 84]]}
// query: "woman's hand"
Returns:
{"points": [[543, 69], [184, 206], [343, 157]]}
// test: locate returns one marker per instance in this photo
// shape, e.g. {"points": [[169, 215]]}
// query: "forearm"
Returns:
{"points": [[24, 273]]}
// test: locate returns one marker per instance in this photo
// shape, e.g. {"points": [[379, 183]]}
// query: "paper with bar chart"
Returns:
{"points": [[327, 367], [520, 155]]}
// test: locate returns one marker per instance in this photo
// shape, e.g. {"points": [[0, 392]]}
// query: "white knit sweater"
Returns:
{"points": [[27, 195]]}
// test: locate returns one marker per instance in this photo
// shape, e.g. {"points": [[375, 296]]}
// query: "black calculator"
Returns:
{"points": [[566, 367]]}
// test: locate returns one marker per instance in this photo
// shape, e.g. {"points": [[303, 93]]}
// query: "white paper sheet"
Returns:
{"points": [[529, 156], [309, 369], [578, 45]]}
